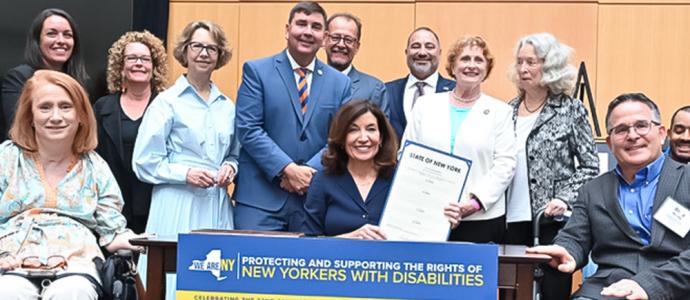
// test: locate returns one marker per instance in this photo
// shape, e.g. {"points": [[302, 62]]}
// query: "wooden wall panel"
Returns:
{"points": [[502, 24], [628, 45], [224, 14], [644, 48]]}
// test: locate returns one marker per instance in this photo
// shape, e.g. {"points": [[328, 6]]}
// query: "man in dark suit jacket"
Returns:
{"points": [[633, 219], [679, 135], [342, 44], [282, 129], [423, 52]]}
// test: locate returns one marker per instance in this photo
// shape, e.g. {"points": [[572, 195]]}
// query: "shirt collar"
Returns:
{"points": [[347, 70], [431, 80], [294, 65], [646, 174], [182, 86]]}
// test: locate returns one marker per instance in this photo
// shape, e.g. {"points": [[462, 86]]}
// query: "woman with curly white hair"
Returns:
{"points": [[552, 133]]}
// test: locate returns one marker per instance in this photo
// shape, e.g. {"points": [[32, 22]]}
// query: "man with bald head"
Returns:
{"points": [[423, 52], [679, 135]]}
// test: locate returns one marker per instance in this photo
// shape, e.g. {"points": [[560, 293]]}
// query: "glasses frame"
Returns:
{"points": [[619, 132], [211, 50], [133, 59], [347, 40], [62, 264]]}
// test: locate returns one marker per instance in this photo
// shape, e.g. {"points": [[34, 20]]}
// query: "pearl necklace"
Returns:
{"points": [[463, 100]]}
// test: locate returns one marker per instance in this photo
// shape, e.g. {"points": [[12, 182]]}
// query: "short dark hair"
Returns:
{"points": [[308, 8], [634, 97], [420, 29], [335, 158], [349, 17], [74, 66], [684, 108]]}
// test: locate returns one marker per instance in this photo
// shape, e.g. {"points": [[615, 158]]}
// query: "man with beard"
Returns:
{"points": [[342, 44], [284, 109], [679, 135], [423, 51]]}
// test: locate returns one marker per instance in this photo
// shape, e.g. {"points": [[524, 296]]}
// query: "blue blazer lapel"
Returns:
{"points": [[348, 185], [611, 202], [286, 73], [354, 77], [444, 85], [669, 179], [317, 83]]}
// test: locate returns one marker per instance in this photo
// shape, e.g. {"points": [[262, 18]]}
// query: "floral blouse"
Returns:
{"points": [[39, 223]]}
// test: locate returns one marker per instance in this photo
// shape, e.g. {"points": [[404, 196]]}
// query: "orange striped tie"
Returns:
{"points": [[303, 88]]}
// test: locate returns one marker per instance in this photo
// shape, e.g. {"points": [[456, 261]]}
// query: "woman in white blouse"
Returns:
{"points": [[467, 123]]}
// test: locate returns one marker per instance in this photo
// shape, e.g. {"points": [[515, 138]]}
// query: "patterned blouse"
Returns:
{"points": [[560, 136], [39, 223]]}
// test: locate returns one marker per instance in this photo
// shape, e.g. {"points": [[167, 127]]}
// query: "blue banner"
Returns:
{"points": [[212, 266]]}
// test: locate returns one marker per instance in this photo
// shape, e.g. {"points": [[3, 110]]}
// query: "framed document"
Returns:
{"points": [[425, 181]]}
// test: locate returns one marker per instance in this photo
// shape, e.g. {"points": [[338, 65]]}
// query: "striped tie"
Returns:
{"points": [[303, 88]]}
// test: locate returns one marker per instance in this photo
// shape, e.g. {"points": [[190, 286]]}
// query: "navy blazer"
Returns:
{"points": [[395, 91], [334, 205], [136, 194], [598, 224], [367, 87], [274, 132]]}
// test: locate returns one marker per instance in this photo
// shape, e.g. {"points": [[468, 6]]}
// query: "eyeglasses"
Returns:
{"points": [[197, 47], [53, 262], [335, 38], [132, 59], [641, 128], [531, 63]]}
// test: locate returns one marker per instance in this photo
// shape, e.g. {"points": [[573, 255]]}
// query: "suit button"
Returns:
{"points": [[533, 180], [364, 216]]}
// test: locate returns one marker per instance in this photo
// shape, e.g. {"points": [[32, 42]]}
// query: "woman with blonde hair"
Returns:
{"points": [[186, 146], [468, 123], [137, 71]]}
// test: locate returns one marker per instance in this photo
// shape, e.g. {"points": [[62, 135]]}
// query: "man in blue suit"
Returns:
{"points": [[342, 44], [423, 51], [284, 108]]}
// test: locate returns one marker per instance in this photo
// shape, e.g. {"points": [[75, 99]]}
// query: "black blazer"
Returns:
{"points": [[12, 85], [137, 194], [395, 91]]}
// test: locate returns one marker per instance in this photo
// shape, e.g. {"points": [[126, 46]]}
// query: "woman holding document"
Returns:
{"points": [[467, 123], [346, 199]]}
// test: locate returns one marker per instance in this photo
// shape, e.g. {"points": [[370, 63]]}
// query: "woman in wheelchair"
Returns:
{"points": [[59, 202]]}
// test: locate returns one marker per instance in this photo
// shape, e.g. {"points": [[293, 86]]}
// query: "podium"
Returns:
{"points": [[515, 271]]}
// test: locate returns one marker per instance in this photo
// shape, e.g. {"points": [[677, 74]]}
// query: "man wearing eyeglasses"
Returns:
{"points": [[634, 219], [423, 52], [679, 135], [284, 109], [342, 44]]}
